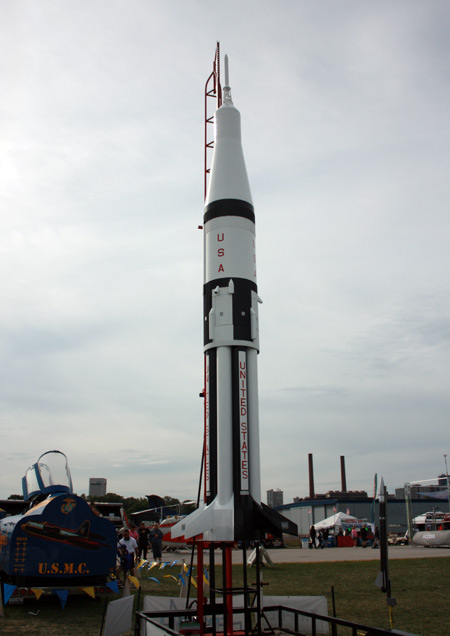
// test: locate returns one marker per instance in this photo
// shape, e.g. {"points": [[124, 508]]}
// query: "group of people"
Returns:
{"points": [[317, 539], [363, 534], [135, 543]]}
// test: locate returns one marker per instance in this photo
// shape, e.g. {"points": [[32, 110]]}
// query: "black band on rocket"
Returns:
{"points": [[229, 207]]}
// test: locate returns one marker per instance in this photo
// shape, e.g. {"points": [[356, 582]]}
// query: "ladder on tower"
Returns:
{"points": [[213, 91]]}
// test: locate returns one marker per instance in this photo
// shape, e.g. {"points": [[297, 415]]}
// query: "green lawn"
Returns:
{"points": [[421, 587]]}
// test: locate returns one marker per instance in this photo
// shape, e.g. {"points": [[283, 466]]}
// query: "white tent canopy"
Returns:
{"points": [[335, 520]]}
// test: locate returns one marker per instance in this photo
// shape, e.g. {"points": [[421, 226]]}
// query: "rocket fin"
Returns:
{"points": [[199, 518], [274, 522], [257, 519], [214, 521], [223, 523]]}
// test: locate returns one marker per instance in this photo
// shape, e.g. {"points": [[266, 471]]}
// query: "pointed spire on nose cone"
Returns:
{"points": [[227, 100], [227, 81], [381, 492]]}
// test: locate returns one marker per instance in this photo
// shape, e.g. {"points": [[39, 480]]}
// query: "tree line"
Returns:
{"points": [[136, 504]]}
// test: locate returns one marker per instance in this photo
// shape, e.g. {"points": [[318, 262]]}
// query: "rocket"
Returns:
{"points": [[383, 581], [232, 508]]}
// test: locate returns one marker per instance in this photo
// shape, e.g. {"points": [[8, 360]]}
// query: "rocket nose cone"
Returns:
{"points": [[228, 178]]}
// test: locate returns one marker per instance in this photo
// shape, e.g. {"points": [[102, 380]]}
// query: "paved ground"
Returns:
{"points": [[295, 555], [353, 554]]}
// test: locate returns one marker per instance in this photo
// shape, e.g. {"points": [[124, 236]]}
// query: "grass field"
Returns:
{"points": [[420, 586]]}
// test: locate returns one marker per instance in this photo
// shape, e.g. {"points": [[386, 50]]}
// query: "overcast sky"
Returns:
{"points": [[346, 132]]}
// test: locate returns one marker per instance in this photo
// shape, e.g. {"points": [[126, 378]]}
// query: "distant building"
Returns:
{"points": [[335, 494], [348, 494], [274, 498], [436, 492], [97, 487], [305, 512]]}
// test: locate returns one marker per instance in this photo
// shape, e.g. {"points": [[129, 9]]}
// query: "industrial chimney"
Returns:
{"points": [[311, 476], [343, 480]]}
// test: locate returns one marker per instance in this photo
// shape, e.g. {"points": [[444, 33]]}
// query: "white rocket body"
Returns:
{"points": [[232, 508]]}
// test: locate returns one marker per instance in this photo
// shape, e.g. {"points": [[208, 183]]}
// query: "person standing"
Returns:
{"points": [[363, 533], [376, 538], [354, 535], [312, 537], [142, 541], [130, 548], [156, 540], [320, 539], [134, 533]]}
